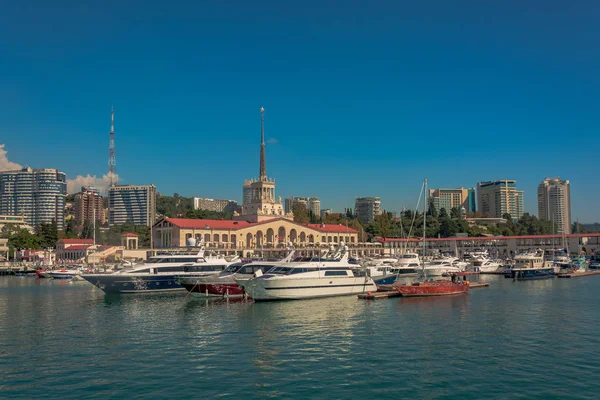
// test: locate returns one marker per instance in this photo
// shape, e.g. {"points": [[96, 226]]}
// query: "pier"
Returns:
{"points": [[578, 274]]}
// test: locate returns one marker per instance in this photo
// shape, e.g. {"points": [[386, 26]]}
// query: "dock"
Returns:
{"points": [[388, 291], [578, 274]]}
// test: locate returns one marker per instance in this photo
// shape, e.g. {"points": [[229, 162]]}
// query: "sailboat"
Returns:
{"points": [[432, 288]]}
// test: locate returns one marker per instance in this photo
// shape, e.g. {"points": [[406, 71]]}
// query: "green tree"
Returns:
{"points": [[22, 240], [70, 231], [300, 213], [9, 230], [48, 234], [432, 210], [455, 213]]}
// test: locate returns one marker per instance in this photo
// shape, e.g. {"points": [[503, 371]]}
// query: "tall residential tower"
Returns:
{"points": [[499, 198], [39, 195], [554, 203]]}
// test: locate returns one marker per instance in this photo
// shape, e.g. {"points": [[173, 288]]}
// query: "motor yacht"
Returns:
{"points": [[322, 277], [485, 264], [223, 284], [439, 267], [531, 265], [159, 272]]}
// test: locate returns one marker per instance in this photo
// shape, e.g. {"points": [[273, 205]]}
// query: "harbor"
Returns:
{"points": [[162, 345]]}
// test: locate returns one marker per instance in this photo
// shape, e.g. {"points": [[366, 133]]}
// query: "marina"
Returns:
{"points": [[119, 343]]}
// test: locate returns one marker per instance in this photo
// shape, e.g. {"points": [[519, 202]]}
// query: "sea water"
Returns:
{"points": [[61, 339]]}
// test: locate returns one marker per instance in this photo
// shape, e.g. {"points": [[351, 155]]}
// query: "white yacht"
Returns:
{"points": [[484, 264], [159, 272], [476, 253], [438, 267], [326, 276]]}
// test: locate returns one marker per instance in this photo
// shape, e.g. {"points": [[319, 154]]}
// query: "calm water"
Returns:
{"points": [[514, 339]]}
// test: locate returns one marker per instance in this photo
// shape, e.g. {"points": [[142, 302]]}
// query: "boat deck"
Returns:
{"points": [[388, 291], [578, 274]]}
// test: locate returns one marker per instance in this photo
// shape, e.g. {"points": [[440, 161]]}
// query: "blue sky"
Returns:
{"points": [[361, 98]]}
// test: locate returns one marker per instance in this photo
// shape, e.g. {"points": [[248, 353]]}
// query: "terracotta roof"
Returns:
{"points": [[129, 234], [78, 247], [187, 223], [77, 241], [331, 228]]}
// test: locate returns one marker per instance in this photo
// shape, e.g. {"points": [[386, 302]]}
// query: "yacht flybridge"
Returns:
{"points": [[331, 275]]}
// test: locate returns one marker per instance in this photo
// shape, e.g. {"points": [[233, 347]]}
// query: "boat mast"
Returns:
{"points": [[424, 225]]}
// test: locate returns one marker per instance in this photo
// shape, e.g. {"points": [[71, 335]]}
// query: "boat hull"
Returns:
{"points": [[532, 273], [214, 289], [392, 277], [133, 284], [437, 288], [305, 288]]}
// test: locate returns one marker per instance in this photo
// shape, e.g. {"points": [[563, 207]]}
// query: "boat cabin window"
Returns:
{"points": [[166, 260], [140, 271], [233, 268], [279, 270], [409, 256], [336, 273], [201, 268]]}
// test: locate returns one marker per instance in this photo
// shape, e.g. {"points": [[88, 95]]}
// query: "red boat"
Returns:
{"points": [[434, 288], [222, 284]]}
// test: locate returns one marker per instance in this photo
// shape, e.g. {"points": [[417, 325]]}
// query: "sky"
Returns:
{"points": [[361, 98]]}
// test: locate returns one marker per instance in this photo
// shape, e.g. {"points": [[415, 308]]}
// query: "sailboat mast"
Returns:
{"points": [[424, 212], [424, 226]]}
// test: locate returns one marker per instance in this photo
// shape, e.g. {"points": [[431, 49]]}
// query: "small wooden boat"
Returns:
{"points": [[433, 288]]}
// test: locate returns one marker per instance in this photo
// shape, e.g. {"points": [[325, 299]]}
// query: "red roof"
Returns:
{"points": [[332, 228], [187, 223], [77, 241], [78, 247], [454, 239], [129, 234]]}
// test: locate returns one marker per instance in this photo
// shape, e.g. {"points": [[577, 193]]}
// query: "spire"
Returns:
{"points": [[263, 163]]}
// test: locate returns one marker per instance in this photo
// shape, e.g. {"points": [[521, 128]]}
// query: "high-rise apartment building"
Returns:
{"points": [[39, 195], [461, 198], [132, 204], [313, 204], [367, 208], [201, 203], [554, 203], [326, 211], [247, 192], [88, 205], [499, 198]]}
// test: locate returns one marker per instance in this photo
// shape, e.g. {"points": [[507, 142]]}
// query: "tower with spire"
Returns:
{"points": [[259, 201]]}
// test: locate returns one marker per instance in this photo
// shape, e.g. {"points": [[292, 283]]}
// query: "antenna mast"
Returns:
{"points": [[112, 162]]}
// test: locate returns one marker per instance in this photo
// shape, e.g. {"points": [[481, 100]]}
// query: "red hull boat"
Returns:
{"points": [[435, 288], [213, 289]]}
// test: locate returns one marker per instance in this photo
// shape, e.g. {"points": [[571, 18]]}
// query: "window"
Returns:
{"points": [[336, 273]]}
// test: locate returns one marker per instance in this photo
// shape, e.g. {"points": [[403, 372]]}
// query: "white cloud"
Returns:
{"points": [[5, 164], [272, 141], [74, 185]]}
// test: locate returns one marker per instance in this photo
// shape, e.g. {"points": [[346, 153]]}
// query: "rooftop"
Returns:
{"points": [[188, 223]]}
